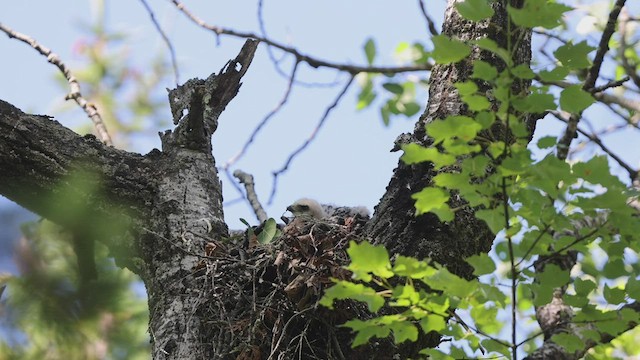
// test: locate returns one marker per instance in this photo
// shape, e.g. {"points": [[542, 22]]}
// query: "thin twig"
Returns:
{"points": [[166, 40], [629, 69], [603, 46], [609, 85], [264, 121], [578, 239], [252, 196], [312, 61], [263, 32], [74, 94], [235, 185], [430, 22], [627, 103], [592, 75], [309, 139], [533, 245], [633, 174], [514, 271]]}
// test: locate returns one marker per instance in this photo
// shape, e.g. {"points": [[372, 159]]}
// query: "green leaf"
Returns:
{"points": [[462, 127], [475, 10], [466, 87], [557, 74], [476, 102], [414, 153], [269, 232], [405, 295], [484, 71], [612, 327], [370, 50], [547, 142], [516, 164], [596, 171], [574, 56], [548, 173], [476, 166], [485, 119], [523, 71], [613, 295], [482, 264], [366, 330], [576, 300], [347, 290], [584, 287], [538, 13], [486, 318], [393, 88], [433, 200], [436, 354], [451, 284], [367, 95], [493, 217], [574, 100], [447, 50], [432, 323], [386, 114], [553, 276], [534, 103], [614, 268], [404, 331], [571, 343], [368, 259], [451, 180], [412, 267], [490, 45], [410, 108], [495, 346], [633, 288]]}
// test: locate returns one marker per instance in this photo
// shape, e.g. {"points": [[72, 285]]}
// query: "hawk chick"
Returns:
{"points": [[307, 208], [310, 209]]}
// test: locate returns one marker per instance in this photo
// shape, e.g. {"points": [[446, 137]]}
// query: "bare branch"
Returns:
{"points": [[633, 174], [565, 142], [75, 93], [166, 40], [264, 121], [629, 69], [312, 61], [252, 196], [311, 137], [430, 22], [263, 32], [609, 85]]}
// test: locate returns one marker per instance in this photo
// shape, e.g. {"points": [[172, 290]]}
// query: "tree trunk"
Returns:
{"points": [[161, 216], [394, 224]]}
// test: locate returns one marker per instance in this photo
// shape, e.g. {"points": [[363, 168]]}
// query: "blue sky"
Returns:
{"points": [[348, 164]]}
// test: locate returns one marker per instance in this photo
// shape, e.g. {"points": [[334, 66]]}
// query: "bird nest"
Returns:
{"points": [[263, 298]]}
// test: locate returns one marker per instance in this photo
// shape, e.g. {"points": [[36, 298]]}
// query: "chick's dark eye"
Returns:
{"points": [[304, 207]]}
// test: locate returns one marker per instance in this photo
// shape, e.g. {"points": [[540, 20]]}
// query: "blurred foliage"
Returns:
{"points": [[129, 97], [401, 91], [50, 315], [48, 311]]}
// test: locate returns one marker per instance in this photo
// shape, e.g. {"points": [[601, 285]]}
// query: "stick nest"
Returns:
{"points": [[262, 299]]}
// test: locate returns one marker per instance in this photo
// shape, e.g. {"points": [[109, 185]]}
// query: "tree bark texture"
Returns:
{"points": [[155, 212]]}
